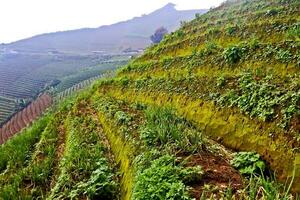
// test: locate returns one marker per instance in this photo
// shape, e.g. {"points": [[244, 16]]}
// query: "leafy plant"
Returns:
{"points": [[84, 169], [161, 180], [101, 184], [233, 54], [248, 163]]}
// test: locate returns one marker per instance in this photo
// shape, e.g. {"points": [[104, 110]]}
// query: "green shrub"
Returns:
{"points": [[210, 47], [124, 81], [179, 34], [233, 54]]}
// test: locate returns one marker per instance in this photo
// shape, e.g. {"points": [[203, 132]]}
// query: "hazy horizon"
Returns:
{"points": [[20, 20]]}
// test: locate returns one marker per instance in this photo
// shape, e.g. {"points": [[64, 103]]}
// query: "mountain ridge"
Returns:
{"points": [[114, 39]]}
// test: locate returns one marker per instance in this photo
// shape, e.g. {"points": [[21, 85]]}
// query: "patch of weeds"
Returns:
{"points": [[164, 127]]}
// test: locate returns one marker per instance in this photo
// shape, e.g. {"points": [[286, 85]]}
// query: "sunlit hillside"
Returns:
{"points": [[211, 112]]}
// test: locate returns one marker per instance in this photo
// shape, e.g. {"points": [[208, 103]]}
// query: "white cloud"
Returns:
{"points": [[24, 18]]}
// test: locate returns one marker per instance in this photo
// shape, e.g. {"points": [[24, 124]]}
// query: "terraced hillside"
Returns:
{"points": [[24, 77], [25, 117], [60, 95], [212, 112], [234, 73], [7, 107]]}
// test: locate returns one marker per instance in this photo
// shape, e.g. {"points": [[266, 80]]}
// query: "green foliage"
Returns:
{"points": [[248, 163], [257, 187], [294, 32], [284, 56], [260, 98], [84, 169], [122, 117], [191, 174], [16, 152], [124, 81], [161, 180], [163, 127], [221, 81], [231, 30], [210, 48], [38, 169], [213, 31], [233, 55], [179, 34], [266, 188], [272, 12], [101, 184]]}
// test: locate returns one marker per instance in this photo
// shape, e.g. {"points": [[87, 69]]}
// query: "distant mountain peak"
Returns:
{"points": [[168, 7]]}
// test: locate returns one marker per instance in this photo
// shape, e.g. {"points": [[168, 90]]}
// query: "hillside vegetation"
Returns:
{"points": [[211, 112]]}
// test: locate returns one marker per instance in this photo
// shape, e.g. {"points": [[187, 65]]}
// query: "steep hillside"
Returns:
{"points": [[234, 72], [134, 33], [212, 112]]}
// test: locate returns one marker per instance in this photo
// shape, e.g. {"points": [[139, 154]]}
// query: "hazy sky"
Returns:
{"points": [[24, 18]]}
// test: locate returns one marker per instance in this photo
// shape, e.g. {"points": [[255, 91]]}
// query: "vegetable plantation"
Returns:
{"points": [[210, 112]]}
